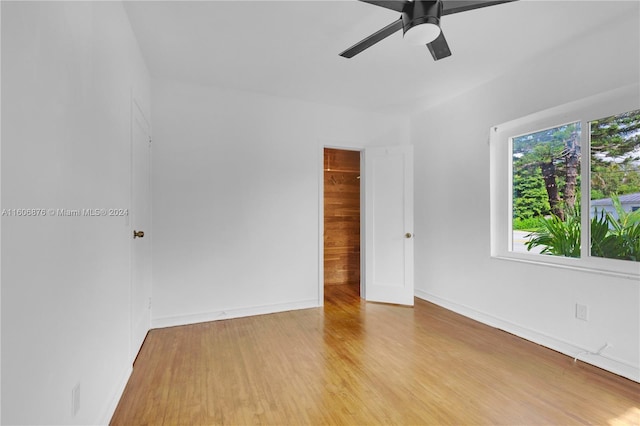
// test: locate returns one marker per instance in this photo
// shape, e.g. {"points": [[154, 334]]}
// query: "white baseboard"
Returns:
{"points": [[173, 321], [605, 362], [110, 409]]}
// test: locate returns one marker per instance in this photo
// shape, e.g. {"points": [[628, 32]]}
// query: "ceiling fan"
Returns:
{"points": [[420, 23]]}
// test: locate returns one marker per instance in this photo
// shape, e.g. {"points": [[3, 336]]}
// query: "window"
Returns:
{"points": [[615, 186], [546, 191], [565, 185]]}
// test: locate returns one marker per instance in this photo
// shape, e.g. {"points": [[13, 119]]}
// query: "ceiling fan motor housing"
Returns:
{"points": [[421, 12]]}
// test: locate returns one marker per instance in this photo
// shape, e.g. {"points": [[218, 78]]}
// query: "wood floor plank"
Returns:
{"points": [[357, 363]]}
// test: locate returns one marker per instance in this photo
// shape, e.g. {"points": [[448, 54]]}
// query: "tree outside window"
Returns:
{"points": [[615, 186]]}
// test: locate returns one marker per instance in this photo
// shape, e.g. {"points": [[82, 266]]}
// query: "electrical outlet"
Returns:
{"points": [[75, 399], [582, 312]]}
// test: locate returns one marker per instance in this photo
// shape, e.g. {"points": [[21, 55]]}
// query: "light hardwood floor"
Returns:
{"points": [[360, 363]]}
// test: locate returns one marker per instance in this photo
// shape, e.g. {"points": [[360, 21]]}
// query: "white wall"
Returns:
{"points": [[68, 72], [236, 198], [453, 264]]}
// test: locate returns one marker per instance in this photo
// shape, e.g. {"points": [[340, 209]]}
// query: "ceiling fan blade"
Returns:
{"points": [[456, 6], [372, 39], [397, 5], [439, 48]]}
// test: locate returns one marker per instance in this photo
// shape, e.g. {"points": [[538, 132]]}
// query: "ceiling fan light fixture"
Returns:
{"points": [[422, 33], [421, 21]]}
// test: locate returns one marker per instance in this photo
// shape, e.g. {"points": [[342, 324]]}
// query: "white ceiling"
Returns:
{"points": [[290, 48]]}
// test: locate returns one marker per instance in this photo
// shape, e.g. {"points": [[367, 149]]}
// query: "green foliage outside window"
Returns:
{"points": [[615, 155], [546, 187], [546, 170], [558, 237], [611, 237], [616, 238]]}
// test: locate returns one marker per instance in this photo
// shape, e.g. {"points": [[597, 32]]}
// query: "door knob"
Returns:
{"points": [[138, 234], [408, 235]]}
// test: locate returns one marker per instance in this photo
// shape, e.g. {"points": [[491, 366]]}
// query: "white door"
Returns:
{"points": [[388, 223], [140, 230]]}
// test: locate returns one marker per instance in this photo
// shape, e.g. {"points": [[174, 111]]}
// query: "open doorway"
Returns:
{"points": [[341, 222]]}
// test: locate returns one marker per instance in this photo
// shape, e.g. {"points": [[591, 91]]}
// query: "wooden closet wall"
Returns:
{"points": [[341, 217]]}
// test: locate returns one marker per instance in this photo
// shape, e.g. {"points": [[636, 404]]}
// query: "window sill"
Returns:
{"points": [[539, 260]]}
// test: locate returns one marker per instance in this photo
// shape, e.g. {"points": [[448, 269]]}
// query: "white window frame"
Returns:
{"points": [[585, 110]]}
